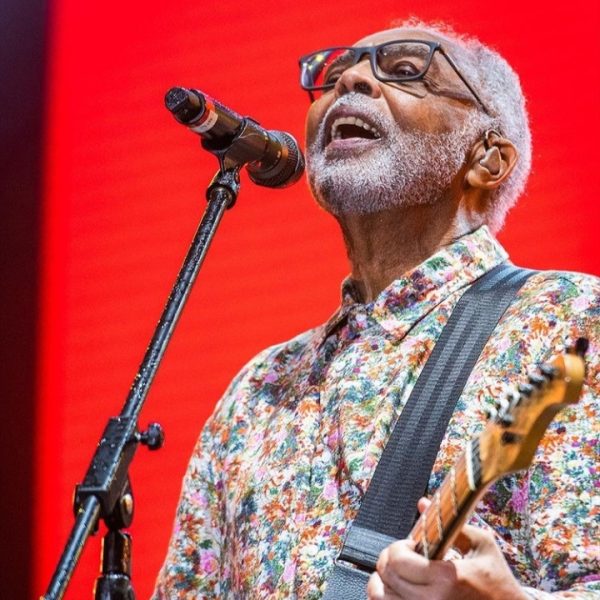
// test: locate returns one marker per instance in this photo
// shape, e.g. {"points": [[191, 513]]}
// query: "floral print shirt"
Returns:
{"points": [[281, 466]]}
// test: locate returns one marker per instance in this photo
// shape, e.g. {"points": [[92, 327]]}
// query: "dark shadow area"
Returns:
{"points": [[23, 28]]}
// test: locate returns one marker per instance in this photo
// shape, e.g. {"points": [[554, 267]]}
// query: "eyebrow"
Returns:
{"points": [[344, 56], [416, 49]]}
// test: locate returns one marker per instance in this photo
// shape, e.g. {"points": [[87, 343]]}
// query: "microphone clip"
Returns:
{"points": [[233, 152]]}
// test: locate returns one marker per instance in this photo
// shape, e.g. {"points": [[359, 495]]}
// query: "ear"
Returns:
{"points": [[491, 162]]}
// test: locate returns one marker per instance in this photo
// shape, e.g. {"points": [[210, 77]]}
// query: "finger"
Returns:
{"points": [[406, 591], [399, 563], [473, 539], [422, 504], [376, 589]]}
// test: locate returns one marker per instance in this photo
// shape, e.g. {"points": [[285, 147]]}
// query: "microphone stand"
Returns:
{"points": [[106, 490]]}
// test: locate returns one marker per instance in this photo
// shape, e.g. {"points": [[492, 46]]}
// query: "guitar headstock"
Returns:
{"points": [[517, 423]]}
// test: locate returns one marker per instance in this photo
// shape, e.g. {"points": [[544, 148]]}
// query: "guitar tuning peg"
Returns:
{"points": [[490, 412], [525, 389], [548, 371], [514, 400], [503, 404], [537, 380]]}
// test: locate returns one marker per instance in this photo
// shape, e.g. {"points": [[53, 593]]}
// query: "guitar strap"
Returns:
{"points": [[389, 507]]}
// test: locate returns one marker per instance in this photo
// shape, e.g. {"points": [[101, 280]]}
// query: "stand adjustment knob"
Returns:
{"points": [[153, 437]]}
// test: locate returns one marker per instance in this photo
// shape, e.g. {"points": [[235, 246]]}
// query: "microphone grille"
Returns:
{"points": [[288, 169]]}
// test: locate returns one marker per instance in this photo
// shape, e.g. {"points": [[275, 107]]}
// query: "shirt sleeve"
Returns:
{"points": [[193, 562]]}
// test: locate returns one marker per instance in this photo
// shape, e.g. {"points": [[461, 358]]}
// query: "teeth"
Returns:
{"points": [[336, 135]]}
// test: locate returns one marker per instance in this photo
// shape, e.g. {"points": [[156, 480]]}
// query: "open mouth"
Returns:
{"points": [[352, 128]]}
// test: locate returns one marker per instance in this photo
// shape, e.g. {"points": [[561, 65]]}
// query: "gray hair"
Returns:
{"points": [[499, 88]]}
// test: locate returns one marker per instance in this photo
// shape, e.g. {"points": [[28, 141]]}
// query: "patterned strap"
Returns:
{"points": [[388, 510]]}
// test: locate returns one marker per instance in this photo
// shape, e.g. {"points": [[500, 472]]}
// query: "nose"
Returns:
{"points": [[358, 78]]}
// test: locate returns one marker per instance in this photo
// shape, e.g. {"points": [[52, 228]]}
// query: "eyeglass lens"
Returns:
{"points": [[397, 61]]}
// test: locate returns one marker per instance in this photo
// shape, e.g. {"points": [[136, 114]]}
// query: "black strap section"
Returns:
{"points": [[388, 510], [346, 583]]}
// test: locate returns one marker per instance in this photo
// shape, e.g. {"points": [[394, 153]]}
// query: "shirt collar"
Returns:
{"points": [[417, 292]]}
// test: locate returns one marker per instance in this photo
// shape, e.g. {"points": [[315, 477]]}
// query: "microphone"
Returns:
{"points": [[273, 158]]}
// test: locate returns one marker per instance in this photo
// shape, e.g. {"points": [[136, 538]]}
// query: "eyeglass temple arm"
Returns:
{"points": [[467, 84]]}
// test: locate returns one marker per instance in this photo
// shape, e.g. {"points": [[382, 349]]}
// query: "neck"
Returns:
{"points": [[383, 246]]}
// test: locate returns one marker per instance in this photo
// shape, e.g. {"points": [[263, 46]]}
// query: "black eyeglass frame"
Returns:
{"points": [[360, 51]]}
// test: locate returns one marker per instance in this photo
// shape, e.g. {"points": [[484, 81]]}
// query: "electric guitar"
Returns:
{"points": [[515, 427]]}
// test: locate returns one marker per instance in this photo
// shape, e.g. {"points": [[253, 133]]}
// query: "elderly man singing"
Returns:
{"points": [[418, 144]]}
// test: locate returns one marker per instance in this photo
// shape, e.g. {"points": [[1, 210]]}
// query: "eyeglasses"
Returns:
{"points": [[399, 61]]}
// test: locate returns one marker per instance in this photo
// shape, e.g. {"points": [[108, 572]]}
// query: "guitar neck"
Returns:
{"points": [[450, 506]]}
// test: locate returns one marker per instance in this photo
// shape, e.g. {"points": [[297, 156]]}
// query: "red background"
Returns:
{"points": [[124, 188]]}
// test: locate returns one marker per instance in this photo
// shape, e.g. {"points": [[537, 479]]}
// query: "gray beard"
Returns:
{"points": [[403, 168]]}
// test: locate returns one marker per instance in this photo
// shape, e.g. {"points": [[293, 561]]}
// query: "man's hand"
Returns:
{"points": [[481, 574]]}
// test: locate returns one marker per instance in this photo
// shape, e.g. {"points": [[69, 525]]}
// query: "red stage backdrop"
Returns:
{"points": [[124, 193]]}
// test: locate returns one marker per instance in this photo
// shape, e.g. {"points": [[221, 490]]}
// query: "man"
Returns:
{"points": [[418, 149]]}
